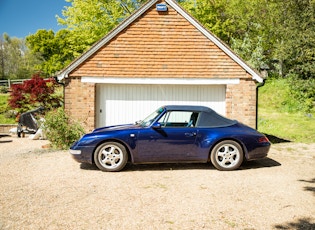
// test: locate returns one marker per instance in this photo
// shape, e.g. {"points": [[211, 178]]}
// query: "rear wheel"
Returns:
{"points": [[110, 157], [227, 155]]}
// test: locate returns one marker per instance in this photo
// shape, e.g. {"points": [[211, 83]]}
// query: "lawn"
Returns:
{"points": [[276, 116], [3, 110], [295, 127]]}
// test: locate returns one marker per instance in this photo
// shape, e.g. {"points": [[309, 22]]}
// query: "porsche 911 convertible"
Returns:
{"points": [[173, 134]]}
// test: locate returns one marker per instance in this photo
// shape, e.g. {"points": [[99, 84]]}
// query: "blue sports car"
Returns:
{"points": [[173, 134]]}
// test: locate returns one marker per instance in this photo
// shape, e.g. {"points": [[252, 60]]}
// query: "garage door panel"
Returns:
{"points": [[118, 103]]}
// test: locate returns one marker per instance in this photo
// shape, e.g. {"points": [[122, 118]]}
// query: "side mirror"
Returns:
{"points": [[157, 125]]}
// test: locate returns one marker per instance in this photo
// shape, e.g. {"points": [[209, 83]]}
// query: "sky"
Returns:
{"points": [[20, 18]]}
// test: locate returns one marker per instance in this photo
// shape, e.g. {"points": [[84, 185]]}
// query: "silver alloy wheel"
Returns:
{"points": [[227, 155], [110, 156]]}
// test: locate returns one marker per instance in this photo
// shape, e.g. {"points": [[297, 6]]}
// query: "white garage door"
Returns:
{"points": [[125, 103]]}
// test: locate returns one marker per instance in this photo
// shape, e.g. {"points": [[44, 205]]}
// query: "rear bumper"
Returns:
{"points": [[258, 153]]}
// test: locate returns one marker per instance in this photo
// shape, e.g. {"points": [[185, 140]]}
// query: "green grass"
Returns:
{"points": [[292, 127], [276, 117], [3, 110]]}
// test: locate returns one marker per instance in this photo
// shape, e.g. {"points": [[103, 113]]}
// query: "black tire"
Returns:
{"points": [[227, 155], [110, 157]]}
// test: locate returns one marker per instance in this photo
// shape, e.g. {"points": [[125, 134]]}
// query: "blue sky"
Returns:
{"points": [[20, 18]]}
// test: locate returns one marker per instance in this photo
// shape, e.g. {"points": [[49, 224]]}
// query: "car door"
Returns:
{"points": [[174, 140]]}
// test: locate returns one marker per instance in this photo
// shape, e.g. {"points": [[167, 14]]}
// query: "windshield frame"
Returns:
{"points": [[149, 120]]}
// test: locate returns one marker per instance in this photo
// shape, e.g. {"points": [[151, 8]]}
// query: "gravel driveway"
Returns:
{"points": [[45, 189]]}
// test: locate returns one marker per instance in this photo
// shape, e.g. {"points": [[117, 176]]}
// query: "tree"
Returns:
{"points": [[15, 60], [212, 14], [295, 46], [53, 50]]}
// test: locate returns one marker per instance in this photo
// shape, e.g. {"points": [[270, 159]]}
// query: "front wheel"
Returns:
{"points": [[227, 155], [110, 157]]}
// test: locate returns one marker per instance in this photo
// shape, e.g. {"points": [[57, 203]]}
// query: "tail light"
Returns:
{"points": [[263, 140]]}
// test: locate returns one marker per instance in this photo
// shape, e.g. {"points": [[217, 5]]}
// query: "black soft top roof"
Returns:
{"points": [[196, 108], [207, 117]]}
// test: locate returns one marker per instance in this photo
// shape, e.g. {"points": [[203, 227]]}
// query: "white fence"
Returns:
{"points": [[8, 83]]}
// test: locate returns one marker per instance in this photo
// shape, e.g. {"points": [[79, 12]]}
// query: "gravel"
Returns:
{"points": [[42, 188]]}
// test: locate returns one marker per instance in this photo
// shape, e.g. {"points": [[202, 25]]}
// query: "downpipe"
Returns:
{"points": [[63, 86], [257, 90]]}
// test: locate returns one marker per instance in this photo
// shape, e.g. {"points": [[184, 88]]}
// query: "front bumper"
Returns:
{"points": [[82, 154]]}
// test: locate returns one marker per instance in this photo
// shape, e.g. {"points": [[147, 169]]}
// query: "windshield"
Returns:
{"points": [[148, 120]]}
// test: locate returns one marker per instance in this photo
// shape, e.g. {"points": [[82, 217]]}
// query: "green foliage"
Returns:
{"points": [[7, 116], [60, 130], [212, 14], [253, 53], [3, 89], [295, 33], [53, 50], [303, 91], [290, 95], [34, 93]]}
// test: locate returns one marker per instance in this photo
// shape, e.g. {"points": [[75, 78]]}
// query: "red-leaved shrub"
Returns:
{"points": [[34, 93]]}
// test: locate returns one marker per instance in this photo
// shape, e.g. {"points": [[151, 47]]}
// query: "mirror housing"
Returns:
{"points": [[156, 125]]}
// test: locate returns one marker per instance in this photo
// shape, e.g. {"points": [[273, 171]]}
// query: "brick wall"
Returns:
{"points": [[241, 102], [80, 102]]}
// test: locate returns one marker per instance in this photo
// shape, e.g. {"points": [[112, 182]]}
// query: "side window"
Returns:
{"points": [[179, 119]]}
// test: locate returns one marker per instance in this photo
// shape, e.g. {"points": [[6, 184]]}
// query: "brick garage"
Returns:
{"points": [[163, 52]]}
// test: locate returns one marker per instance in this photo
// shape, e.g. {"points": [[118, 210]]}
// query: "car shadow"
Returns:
{"points": [[4, 135], [309, 188], [256, 164], [86, 166], [302, 223], [276, 140], [168, 167], [262, 163], [5, 141]]}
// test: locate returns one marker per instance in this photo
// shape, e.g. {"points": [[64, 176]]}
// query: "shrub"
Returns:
{"points": [[3, 89], [292, 95], [7, 116], [303, 91], [34, 93], [60, 130]]}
